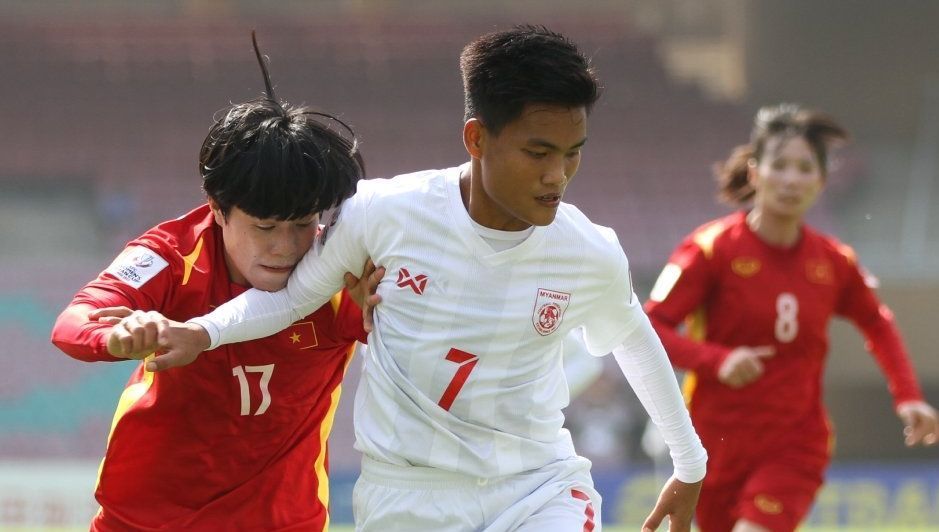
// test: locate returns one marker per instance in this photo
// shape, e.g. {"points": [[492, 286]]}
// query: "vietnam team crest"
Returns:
{"points": [[549, 310]]}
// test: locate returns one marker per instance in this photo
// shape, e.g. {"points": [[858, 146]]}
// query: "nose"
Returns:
{"points": [[284, 244], [555, 174]]}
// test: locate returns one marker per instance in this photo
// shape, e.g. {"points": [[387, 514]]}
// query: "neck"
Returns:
{"points": [[466, 184], [479, 207], [782, 231]]}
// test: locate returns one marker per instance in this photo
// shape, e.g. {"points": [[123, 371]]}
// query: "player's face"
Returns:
{"points": [[787, 179], [262, 253], [528, 165]]}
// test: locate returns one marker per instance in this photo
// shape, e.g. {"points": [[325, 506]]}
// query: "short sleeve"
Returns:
{"points": [[614, 315]]}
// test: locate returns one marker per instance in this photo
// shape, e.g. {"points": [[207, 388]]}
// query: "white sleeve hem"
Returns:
{"points": [[210, 328]]}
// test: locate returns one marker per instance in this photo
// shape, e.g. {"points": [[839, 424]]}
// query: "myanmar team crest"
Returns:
{"points": [[549, 310]]}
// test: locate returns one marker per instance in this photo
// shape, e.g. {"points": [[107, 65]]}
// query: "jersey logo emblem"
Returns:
{"points": [[549, 310], [745, 266], [768, 505], [302, 335], [136, 265], [324, 230], [819, 271], [417, 283]]}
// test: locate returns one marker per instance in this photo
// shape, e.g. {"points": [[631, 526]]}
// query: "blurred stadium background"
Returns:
{"points": [[104, 104]]}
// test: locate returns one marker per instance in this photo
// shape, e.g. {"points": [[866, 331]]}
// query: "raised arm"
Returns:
{"points": [[256, 313]]}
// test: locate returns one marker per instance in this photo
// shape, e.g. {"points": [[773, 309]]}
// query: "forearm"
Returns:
{"points": [[80, 338], [254, 314], [645, 364], [886, 344], [687, 353]]}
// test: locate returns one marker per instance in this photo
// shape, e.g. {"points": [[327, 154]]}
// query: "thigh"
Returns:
{"points": [[559, 496], [378, 507], [780, 491], [572, 510], [717, 507]]}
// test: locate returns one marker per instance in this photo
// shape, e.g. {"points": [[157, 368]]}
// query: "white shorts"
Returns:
{"points": [[558, 497]]}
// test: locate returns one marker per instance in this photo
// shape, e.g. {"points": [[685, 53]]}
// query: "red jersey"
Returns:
{"points": [[236, 439], [737, 290]]}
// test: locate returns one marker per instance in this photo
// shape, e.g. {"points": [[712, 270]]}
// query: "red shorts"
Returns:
{"points": [[769, 477]]}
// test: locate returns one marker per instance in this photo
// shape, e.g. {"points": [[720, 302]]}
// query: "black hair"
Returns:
{"points": [[505, 71], [819, 130], [273, 160]]}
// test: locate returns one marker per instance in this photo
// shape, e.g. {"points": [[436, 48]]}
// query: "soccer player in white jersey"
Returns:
{"points": [[458, 415]]}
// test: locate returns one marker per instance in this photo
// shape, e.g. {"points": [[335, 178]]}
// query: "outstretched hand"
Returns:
{"points": [[677, 502], [920, 423]]}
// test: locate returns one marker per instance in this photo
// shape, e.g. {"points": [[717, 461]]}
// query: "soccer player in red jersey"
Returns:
{"points": [[238, 439], [757, 290]]}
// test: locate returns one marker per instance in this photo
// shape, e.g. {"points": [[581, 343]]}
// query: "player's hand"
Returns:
{"points": [[180, 344], [676, 501], [744, 365], [920, 423], [109, 315], [133, 336], [363, 290]]}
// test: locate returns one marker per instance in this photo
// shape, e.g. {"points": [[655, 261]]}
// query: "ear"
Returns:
{"points": [[751, 171], [474, 136], [216, 212]]}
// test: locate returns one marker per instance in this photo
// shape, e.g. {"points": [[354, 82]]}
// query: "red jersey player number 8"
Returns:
{"points": [[787, 312]]}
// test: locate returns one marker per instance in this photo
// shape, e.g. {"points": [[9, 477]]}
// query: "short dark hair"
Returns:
{"points": [[273, 160], [505, 71], [785, 120]]}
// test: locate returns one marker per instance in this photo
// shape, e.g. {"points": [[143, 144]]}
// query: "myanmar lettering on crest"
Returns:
{"points": [[549, 310]]}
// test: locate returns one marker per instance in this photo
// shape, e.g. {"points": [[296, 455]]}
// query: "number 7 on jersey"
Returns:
{"points": [[467, 362]]}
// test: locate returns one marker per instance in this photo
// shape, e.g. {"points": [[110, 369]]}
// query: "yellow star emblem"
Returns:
{"points": [[295, 338]]}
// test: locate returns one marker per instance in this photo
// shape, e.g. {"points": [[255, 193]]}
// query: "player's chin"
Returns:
{"points": [[270, 281], [544, 217]]}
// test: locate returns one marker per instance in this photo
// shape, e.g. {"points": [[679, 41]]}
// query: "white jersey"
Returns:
{"points": [[463, 370]]}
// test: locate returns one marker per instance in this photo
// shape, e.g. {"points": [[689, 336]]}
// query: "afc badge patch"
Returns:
{"points": [[136, 265], [549, 310]]}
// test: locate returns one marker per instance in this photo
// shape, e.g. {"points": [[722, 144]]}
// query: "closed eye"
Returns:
{"points": [[535, 154]]}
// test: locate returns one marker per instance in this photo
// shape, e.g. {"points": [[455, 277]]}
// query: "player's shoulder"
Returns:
{"points": [[591, 239], [830, 245], [718, 233], [413, 196], [404, 185], [181, 236], [168, 246]]}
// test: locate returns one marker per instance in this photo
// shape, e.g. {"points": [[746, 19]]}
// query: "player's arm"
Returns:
{"points": [[97, 324], [258, 314], [643, 361], [618, 323], [680, 290], [859, 303]]}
